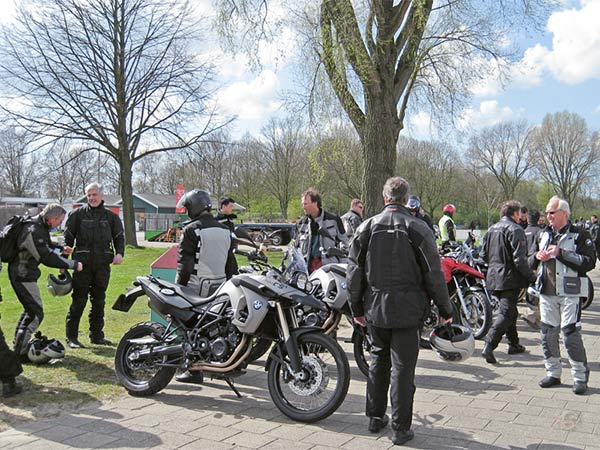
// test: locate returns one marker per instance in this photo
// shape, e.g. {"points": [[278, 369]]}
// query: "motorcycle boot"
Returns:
{"points": [[376, 424], [488, 354], [515, 349], [193, 377], [11, 388]]}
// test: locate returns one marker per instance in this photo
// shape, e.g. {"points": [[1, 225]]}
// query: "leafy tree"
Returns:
{"points": [[381, 54], [119, 76]]}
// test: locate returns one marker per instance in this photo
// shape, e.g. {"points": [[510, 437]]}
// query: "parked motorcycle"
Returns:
{"points": [[267, 235], [307, 372], [467, 290]]}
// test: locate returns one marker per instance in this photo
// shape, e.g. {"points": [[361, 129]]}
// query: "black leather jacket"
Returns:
{"points": [[394, 269], [505, 251], [35, 248], [95, 233]]}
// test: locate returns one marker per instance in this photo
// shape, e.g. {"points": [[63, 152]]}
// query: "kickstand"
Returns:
{"points": [[233, 388]]}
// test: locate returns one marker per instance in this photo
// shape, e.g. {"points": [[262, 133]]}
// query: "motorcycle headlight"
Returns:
{"points": [[301, 281]]}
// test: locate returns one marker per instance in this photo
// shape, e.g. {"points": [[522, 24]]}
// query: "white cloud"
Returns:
{"points": [[489, 113], [575, 53], [253, 100]]}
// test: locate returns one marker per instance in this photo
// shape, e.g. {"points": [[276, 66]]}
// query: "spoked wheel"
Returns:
{"points": [[260, 346], [586, 302], [431, 321], [317, 391], [479, 318], [362, 350], [142, 377]]}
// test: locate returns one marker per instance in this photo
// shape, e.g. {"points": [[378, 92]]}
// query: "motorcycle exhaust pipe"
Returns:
{"points": [[164, 350]]}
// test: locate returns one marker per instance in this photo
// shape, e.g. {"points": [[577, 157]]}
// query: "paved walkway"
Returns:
{"points": [[466, 405]]}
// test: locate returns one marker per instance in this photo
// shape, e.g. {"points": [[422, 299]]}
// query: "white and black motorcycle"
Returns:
{"points": [[307, 371]]}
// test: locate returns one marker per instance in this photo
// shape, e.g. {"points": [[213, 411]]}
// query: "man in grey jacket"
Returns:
{"points": [[353, 218], [317, 230], [566, 254]]}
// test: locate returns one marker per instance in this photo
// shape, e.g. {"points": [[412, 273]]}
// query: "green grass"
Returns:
{"points": [[87, 374]]}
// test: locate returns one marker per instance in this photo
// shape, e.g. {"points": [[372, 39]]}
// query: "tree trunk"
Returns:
{"points": [[378, 138], [127, 196]]}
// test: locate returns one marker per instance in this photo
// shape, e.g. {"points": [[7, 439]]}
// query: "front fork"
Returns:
{"points": [[461, 297], [291, 344]]}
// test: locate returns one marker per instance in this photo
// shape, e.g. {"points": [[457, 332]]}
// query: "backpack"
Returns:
{"points": [[9, 236]]}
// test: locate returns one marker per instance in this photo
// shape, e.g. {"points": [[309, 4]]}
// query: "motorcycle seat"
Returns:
{"points": [[187, 292]]}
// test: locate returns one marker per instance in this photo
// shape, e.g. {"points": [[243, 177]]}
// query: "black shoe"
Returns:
{"points": [[579, 387], [549, 382], [74, 343], [515, 349], [401, 437], [101, 341], [488, 354], [376, 424], [12, 388], [190, 377]]}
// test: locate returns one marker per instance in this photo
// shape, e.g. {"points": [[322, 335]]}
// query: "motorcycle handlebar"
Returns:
{"points": [[333, 251]]}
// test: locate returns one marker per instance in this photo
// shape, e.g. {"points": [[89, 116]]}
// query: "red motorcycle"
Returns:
{"points": [[469, 300]]}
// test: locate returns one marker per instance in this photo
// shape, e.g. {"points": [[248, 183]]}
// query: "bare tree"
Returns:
{"points": [[566, 154], [430, 168], [284, 154], [18, 165], [246, 171], [117, 75], [504, 151], [378, 54]]}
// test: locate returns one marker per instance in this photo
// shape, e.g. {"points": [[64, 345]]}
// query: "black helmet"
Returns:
{"points": [[452, 342], [195, 202], [414, 203], [61, 285]]}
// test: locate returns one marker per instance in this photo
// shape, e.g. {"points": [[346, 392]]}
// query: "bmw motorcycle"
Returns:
{"points": [[307, 371]]}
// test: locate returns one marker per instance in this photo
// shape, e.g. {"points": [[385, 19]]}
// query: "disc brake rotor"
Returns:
{"points": [[317, 380]]}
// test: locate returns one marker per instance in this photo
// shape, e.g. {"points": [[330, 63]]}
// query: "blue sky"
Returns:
{"points": [[559, 70]]}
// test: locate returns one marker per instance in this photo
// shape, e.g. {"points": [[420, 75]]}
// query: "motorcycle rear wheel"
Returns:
{"points": [[362, 351], [321, 394], [141, 378], [276, 239], [481, 313]]}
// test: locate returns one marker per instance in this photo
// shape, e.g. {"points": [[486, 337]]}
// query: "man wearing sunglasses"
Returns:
{"points": [[566, 254]]}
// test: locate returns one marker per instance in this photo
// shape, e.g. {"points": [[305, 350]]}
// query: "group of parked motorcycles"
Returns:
{"points": [[282, 310]]}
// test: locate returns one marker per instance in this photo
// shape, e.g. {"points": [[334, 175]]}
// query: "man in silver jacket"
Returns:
{"points": [[319, 229], [566, 254]]}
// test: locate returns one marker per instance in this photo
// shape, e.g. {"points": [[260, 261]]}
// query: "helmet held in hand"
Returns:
{"points": [[452, 342], [61, 285]]}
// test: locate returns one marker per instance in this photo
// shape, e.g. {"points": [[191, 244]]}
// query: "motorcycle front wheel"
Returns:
{"points": [[479, 319], [142, 377], [319, 390], [362, 351]]}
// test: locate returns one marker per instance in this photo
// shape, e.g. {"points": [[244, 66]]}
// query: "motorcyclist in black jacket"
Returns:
{"points": [[505, 251], [393, 270]]}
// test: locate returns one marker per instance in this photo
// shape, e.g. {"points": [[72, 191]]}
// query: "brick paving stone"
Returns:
{"points": [[328, 438], [359, 443], [467, 422], [284, 444], [249, 440], [90, 440], [292, 432], [488, 404], [214, 432], [482, 413], [258, 426]]}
